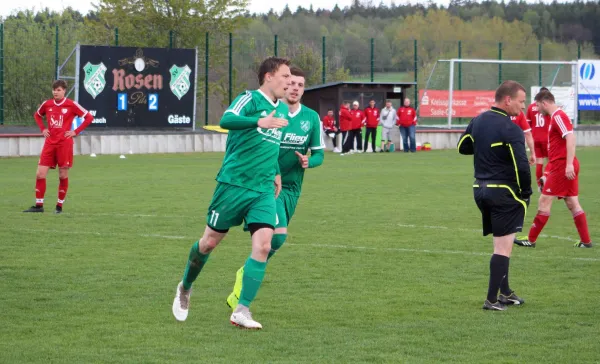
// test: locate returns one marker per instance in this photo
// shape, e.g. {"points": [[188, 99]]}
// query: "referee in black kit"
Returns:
{"points": [[502, 183]]}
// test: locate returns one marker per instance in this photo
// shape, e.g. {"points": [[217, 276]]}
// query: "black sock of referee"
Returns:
{"points": [[498, 270], [504, 288]]}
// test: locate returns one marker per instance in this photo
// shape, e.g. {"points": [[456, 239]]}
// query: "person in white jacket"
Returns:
{"points": [[387, 120]]}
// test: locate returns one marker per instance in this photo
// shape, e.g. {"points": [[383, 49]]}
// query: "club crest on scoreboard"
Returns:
{"points": [[94, 80], [180, 80]]}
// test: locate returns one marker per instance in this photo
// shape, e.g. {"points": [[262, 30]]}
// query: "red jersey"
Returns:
{"points": [[358, 119], [372, 114], [345, 119], [407, 116], [521, 121], [560, 127], [59, 117], [539, 123], [328, 123]]}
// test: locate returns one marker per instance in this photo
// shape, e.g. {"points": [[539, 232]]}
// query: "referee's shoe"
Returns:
{"points": [[511, 299], [524, 241]]}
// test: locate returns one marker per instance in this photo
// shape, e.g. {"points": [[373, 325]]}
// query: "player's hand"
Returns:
{"points": [[532, 159], [270, 122], [46, 133], [277, 183], [69, 134], [570, 171], [302, 159]]}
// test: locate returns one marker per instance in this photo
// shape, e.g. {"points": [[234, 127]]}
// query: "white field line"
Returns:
{"points": [[328, 246]]}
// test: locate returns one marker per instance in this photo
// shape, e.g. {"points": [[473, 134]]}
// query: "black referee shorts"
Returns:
{"points": [[502, 211]]}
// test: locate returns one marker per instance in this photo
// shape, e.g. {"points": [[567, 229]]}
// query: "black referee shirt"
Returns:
{"points": [[498, 148]]}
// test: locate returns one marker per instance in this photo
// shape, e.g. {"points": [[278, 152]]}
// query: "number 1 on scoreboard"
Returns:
{"points": [[122, 102]]}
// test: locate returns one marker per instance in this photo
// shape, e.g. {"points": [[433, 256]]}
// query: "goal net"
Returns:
{"points": [[459, 89]]}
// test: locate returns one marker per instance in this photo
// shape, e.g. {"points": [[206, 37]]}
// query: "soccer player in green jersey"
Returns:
{"points": [[245, 191], [303, 132]]}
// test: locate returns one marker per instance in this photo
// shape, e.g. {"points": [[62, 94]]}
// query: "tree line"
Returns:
{"points": [[359, 39]]}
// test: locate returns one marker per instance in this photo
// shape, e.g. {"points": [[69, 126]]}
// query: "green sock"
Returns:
{"points": [[276, 243], [254, 272], [194, 265]]}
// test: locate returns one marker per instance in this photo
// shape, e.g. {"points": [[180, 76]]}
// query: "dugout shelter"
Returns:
{"points": [[331, 95]]}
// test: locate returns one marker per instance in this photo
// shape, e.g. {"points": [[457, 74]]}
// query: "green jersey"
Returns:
{"points": [[303, 132], [251, 152]]}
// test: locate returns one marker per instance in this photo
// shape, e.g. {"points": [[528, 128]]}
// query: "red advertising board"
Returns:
{"points": [[465, 104]]}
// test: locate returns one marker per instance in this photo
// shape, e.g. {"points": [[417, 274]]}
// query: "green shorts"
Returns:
{"points": [[286, 207], [232, 205]]}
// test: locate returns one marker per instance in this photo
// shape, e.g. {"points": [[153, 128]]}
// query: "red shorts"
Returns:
{"points": [[557, 184], [541, 149], [54, 155]]}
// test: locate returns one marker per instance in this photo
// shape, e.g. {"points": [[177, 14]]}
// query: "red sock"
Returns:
{"points": [[40, 191], [63, 186], [582, 226], [539, 171], [539, 222]]}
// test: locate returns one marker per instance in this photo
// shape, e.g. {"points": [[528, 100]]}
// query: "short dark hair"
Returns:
{"points": [[544, 96], [543, 88], [345, 102], [508, 88], [59, 83], [270, 65], [328, 110], [297, 71]]}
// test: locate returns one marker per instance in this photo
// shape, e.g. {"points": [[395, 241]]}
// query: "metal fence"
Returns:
{"points": [[30, 57]]}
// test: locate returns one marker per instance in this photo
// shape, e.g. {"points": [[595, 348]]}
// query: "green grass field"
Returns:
{"points": [[385, 262]]}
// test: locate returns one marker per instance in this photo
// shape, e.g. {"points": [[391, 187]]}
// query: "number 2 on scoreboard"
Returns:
{"points": [[122, 102], [152, 102]]}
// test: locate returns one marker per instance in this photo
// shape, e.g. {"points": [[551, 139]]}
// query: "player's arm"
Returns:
{"points": [[415, 119], [570, 139], [39, 117], [316, 144], [530, 145], [466, 144], [87, 118], [235, 117], [516, 144], [345, 113]]}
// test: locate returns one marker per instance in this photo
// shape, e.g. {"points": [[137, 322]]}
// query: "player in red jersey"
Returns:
{"points": [[521, 121], [345, 126], [372, 122], [539, 130], [58, 146], [562, 174], [330, 128], [359, 119]]}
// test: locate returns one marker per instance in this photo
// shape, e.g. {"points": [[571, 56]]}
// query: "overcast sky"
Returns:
{"points": [[256, 6]]}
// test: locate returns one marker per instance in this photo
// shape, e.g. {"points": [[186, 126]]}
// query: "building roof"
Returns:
{"points": [[340, 83]]}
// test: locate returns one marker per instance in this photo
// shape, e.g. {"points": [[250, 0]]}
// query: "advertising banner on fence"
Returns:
{"points": [[589, 84], [564, 97], [126, 87], [465, 104]]}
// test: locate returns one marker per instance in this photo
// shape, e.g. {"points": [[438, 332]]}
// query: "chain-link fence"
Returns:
{"points": [[30, 56]]}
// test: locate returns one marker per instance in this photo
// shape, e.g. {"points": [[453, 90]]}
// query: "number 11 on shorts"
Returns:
{"points": [[214, 216]]}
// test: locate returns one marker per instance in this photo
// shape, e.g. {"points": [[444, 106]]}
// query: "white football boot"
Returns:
{"points": [[243, 319], [181, 303]]}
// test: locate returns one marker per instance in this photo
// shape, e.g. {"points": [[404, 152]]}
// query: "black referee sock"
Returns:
{"points": [[498, 271], [504, 288]]}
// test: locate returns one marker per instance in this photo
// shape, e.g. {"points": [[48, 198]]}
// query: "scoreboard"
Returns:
{"points": [[127, 87]]}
